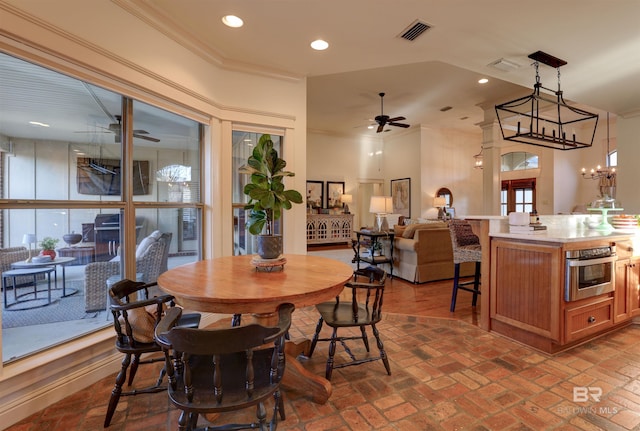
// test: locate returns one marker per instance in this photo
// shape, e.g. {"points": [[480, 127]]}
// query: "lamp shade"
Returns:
{"points": [[347, 199], [439, 201], [29, 238], [380, 204]]}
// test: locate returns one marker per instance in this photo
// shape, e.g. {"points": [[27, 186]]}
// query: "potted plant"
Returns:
{"points": [[267, 196], [48, 245]]}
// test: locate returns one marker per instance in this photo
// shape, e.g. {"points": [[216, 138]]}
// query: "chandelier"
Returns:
{"points": [[606, 175], [546, 120]]}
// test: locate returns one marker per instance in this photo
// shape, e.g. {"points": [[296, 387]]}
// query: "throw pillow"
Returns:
{"points": [[410, 230], [146, 243], [398, 230], [142, 323]]}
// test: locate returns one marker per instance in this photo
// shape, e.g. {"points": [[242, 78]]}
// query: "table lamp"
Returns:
{"points": [[346, 199], [29, 238], [381, 206], [440, 202]]}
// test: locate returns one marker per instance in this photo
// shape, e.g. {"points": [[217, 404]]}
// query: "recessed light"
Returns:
{"points": [[319, 45], [37, 123], [483, 81], [232, 21]]}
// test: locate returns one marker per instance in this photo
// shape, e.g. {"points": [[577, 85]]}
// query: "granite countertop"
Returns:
{"points": [[566, 235]]}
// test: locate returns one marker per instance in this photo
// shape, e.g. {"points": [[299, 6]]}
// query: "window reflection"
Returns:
{"points": [[70, 177]]}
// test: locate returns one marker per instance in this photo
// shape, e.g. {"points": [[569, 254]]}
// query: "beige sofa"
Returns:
{"points": [[422, 252]]}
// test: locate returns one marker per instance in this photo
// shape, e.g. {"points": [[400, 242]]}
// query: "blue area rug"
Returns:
{"points": [[60, 310]]}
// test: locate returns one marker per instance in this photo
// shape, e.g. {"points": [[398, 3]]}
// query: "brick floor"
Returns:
{"points": [[446, 375]]}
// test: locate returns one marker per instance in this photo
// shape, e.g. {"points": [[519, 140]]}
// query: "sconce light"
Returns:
{"points": [[29, 238], [346, 199], [478, 159], [381, 206]]}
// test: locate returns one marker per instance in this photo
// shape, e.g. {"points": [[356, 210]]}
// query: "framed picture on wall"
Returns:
{"points": [[315, 194], [401, 196], [335, 190]]}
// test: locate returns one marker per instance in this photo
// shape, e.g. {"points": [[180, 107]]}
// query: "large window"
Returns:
{"points": [[78, 158]]}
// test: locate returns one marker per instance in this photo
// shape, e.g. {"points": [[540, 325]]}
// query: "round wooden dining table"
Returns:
{"points": [[236, 285]]}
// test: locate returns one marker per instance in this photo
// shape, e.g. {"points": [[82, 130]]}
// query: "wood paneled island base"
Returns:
{"points": [[528, 301]]}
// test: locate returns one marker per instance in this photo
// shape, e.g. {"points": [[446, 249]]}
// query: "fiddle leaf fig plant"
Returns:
{"points": [[266, 191]]}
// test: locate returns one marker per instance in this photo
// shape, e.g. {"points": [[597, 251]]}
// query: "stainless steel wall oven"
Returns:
{"points": [[589, 272]]}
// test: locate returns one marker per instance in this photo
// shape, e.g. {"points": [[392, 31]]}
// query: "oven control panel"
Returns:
{"points": [[592, 253]]}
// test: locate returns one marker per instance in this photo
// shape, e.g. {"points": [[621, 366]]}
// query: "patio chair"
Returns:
{"points": [[224, 370], [151, 260]]}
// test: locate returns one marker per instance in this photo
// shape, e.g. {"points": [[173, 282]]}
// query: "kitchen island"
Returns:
{"points": [[526, 274]]}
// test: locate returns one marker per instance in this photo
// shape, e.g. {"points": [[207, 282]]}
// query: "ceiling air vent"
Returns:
{"points": [[414, 30]]}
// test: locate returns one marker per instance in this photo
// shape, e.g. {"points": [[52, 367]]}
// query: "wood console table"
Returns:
{"points": [[329, 228]]}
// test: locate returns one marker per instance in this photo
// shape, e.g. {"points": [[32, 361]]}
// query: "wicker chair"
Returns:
{"points": [[11, 255], [151, 264]]}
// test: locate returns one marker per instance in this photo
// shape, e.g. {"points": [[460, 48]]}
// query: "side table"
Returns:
{"points": [[18, 298], [373, 239]]}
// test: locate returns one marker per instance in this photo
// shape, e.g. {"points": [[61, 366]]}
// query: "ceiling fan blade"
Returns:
{"points": [[148, 138], [380, 128], [391, 120], [391, 123]]}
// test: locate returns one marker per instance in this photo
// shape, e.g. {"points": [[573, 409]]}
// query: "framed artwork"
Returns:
{"points": [[335, 190], [401, 196], [451, 213], [315, 194]]}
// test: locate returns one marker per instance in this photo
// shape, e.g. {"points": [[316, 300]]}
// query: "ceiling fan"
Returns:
{"points": [[116, 128], [383, 120]]}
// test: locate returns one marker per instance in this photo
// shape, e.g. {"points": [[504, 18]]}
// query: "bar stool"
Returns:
{"points": [[466, 248]]}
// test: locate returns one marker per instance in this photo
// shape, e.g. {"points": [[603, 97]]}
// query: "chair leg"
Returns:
{"points": [[134, 368], [117, 390], [383, 353], [332, 352], [476, 284], [454, 294], [314, 340], [365, 339]]}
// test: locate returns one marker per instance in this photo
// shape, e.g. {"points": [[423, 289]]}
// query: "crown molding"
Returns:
{"points": [[147, 12]]}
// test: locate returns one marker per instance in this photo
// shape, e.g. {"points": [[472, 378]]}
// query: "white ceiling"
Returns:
{"points": [[599, 39]]}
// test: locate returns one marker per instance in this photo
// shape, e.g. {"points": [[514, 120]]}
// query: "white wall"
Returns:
{"points": [[447, 161], [628, 160]]}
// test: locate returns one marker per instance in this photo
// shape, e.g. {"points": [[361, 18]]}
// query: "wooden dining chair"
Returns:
{"points": [[224, 369], [135, 316], [364, 309]]}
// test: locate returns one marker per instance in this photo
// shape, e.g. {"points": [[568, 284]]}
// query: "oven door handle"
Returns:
{"points": [[589, 262]]}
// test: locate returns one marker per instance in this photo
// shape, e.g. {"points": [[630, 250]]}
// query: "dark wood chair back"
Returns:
{"points": [[221, 370]]}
